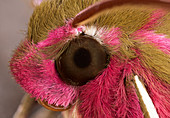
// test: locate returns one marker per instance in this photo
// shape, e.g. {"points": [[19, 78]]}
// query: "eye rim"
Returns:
{"points": [[58, 67], [53, 107]]}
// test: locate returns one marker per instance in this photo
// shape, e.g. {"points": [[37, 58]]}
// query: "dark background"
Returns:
{"points": [[14, 17]]}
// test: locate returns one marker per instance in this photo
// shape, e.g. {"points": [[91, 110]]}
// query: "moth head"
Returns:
{"points": [[68, 45]]}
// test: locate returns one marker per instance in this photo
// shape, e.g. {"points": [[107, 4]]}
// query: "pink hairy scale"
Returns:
{"points": [[107, 96], [38, 76]]}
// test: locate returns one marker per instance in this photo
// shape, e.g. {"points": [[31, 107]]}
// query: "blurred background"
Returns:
{"points": [[14, 17]]}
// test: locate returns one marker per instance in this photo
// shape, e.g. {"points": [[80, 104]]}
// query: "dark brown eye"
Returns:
{"points": [[82, 61], [82, 58]]}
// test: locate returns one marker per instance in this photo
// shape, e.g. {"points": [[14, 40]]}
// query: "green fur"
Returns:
{"points": [[156, 60], [127, 17], [51, 14], [151, 57], [165, 26], [46, 17], [55, 50]]}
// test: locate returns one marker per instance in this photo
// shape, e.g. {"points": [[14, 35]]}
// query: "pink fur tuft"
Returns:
{"points": [[54, 36], [111, 37], [38, 76], [153, 21], [158, 40], [107, 96]]}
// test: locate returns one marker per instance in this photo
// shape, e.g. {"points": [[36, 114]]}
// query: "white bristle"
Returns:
{"points": [[146, 99]]}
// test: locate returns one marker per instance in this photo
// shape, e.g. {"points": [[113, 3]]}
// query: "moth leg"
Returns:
{"points": [[25, 107], [45, 113]]}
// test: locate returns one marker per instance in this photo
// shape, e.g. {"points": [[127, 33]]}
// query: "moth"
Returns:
{"points": [[101, 59]]}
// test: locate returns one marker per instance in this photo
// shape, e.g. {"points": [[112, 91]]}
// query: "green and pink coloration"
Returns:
{"points": [[111, 93]]}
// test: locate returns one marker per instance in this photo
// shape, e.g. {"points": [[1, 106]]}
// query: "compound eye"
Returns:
{"points": [[82, 57], [82, 61]]}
